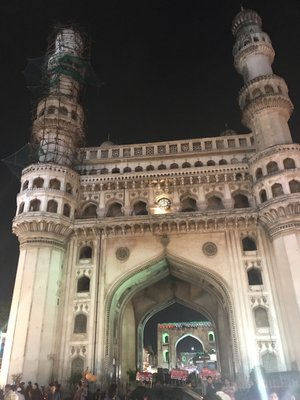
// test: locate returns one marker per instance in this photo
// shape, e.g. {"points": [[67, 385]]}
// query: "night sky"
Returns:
{"points": [[168, 71]]}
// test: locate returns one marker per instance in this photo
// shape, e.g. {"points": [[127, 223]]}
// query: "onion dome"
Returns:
{"points": [[107, 143], [228, 132], [245, 18]]}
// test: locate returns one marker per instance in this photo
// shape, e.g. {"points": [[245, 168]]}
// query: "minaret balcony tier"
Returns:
{"points": [[247, 48], [61, 125], [62, 106], [245, 19]]}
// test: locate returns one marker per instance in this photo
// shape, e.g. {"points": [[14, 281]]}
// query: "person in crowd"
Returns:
{"points": [[127, 394], [17, 390], [273, 396], [44, 393], [35, 393], [229, 389], [22, 386], [253, 392], [210, 389], [9, 393], [53, 394], [28, 390], [211, 397], [115, 387], [97, 395], [111, 393], [79, 392], [293, 397], [188, 384], [140, 393], [219, 391]]}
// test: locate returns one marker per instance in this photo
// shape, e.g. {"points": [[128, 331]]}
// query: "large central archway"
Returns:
{"points": [[137, 295]]}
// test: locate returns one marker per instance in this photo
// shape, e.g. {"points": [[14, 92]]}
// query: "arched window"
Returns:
{"points": [[80, 323], [222, 162], [85, 253], [245, 160], [269, 362], [183, 358], [198, 164], [174, 166], [272, 167], [241, 201], [189, 205], [54, 184], [140, 208], [93, 172], [215, 203], [277, 190], [289, 163], [21, 208], [63, 111], [114, 210], [68, 188], [74, 115], [38, 183], [294, 186], [247, 99], [210, 163], [90, 211], [35, 205], [279, 90], [103, 171], [254, 277], [67, 210], [51, 110], [77, 365], [115, 171], [255, 39], [83, 284], [269, 89], [234, 161], [186, 165], [161, 166], [138, 169], [258, 174], [52, 206], [261, 317], [263, 196], [166, 356], [249, 244], [127, 169], [25, 185], [150, 168], [165, 338], [211, 336], [256, 92]]}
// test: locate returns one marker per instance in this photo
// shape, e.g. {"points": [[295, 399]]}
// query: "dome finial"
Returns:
{"points": [[242, 8]]}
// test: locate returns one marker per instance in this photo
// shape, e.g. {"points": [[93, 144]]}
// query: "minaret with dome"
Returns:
{"points": [[112, 234]]}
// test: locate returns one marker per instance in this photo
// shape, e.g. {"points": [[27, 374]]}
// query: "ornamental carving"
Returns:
{"points": [[122, 253], [209, 249]]}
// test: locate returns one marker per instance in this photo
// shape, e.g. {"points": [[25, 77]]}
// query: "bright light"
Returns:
{"points": [[192, 348]]}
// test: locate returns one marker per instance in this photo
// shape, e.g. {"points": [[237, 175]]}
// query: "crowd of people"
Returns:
{"points": [[213, 391]]}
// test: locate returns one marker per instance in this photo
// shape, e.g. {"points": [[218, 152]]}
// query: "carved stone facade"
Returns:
{"points": [[124, 231]]}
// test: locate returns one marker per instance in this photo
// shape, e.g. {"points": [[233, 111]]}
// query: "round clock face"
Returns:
{"points": [[164, 204]]}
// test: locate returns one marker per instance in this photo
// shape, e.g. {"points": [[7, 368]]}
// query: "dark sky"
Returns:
{"points": [[167, 67]]}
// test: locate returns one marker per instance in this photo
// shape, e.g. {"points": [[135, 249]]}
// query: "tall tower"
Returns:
{"points": [[46, 206], [274, 169], [264, 101]]}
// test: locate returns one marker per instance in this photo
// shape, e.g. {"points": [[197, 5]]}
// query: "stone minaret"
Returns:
{"points": [[46, 206], [264, 101], [266, 109]]}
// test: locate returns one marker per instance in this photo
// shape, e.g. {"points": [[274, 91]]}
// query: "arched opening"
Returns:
{"points": [[249, 244], [150, 168], [93, 172], [258, 174], [51, 110], [165, 338], [103, 171], [277, 190], [85, 253], [83, 284], [254, 277], [189, 205], [35, 205], [25, 185], [289, 163], [174, 166], [210, 163], [269, 89], [272, 167], [52, 206], [166, 356], [21, 208], [42, 113], [263, 196], [63, 111], [162, 166], [140, 208], [269, 362], [211, 336], [241, 201], [77, 365], [198, 164], [261, 317], [90, 211], [215, 203], [67, 210], [74, 115], [54, 184], [186, 165], [256, 92], [126, 169], [68, 188], [115, 171], [114, 210], [80, 323], [222, 162], [294, 186], [38, 183], [138, 169]]}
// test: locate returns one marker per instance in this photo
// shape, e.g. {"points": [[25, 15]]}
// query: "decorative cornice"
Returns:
{"points": [[272, 175], [67, 125], [245, 89], [50, 168], [279, 148]]}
